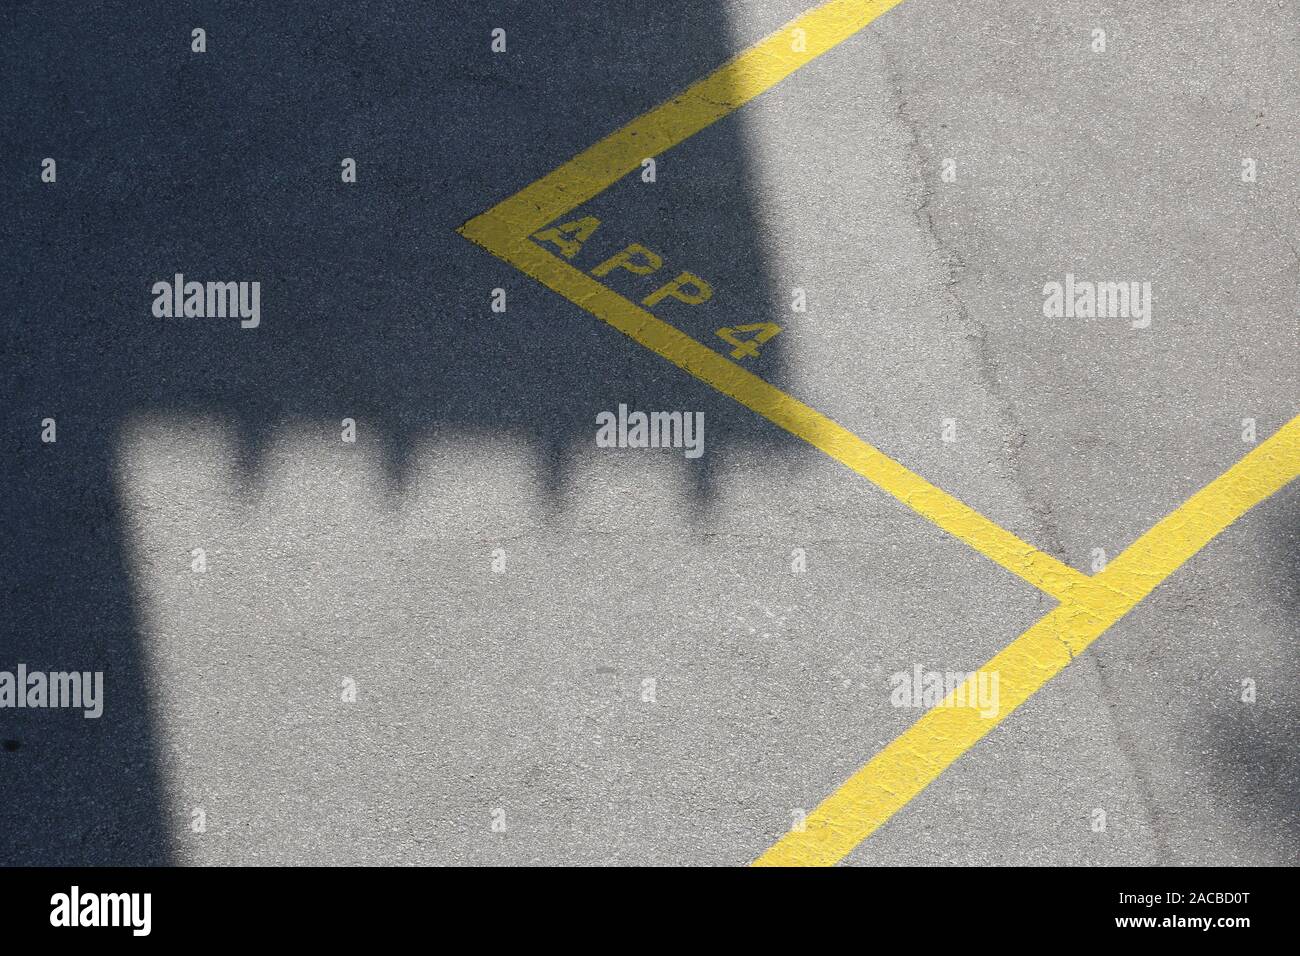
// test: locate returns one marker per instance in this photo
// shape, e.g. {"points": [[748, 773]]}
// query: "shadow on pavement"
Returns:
{"points": [[226, 166]]}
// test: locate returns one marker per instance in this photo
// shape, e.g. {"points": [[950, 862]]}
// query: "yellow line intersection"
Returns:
{"points": [[1089, 605], [923, 751]]}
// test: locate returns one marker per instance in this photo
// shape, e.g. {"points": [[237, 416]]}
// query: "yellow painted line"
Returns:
{"points": [[728, 88], [1154, 556], [1089, 605], [865, 801], [1037, 567], [503, 230]]}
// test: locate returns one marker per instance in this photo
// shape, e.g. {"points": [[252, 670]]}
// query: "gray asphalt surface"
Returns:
{"points": [[520, 695]]}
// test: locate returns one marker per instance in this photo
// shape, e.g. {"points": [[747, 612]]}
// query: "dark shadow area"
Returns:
{"points": [[1252, 747], [225, 166]]}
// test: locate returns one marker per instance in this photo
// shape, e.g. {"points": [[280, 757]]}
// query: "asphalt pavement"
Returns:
{"points": [[473, 635]]}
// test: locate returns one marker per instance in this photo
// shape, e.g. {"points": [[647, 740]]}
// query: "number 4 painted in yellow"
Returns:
{"points": [[747, 348]]}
